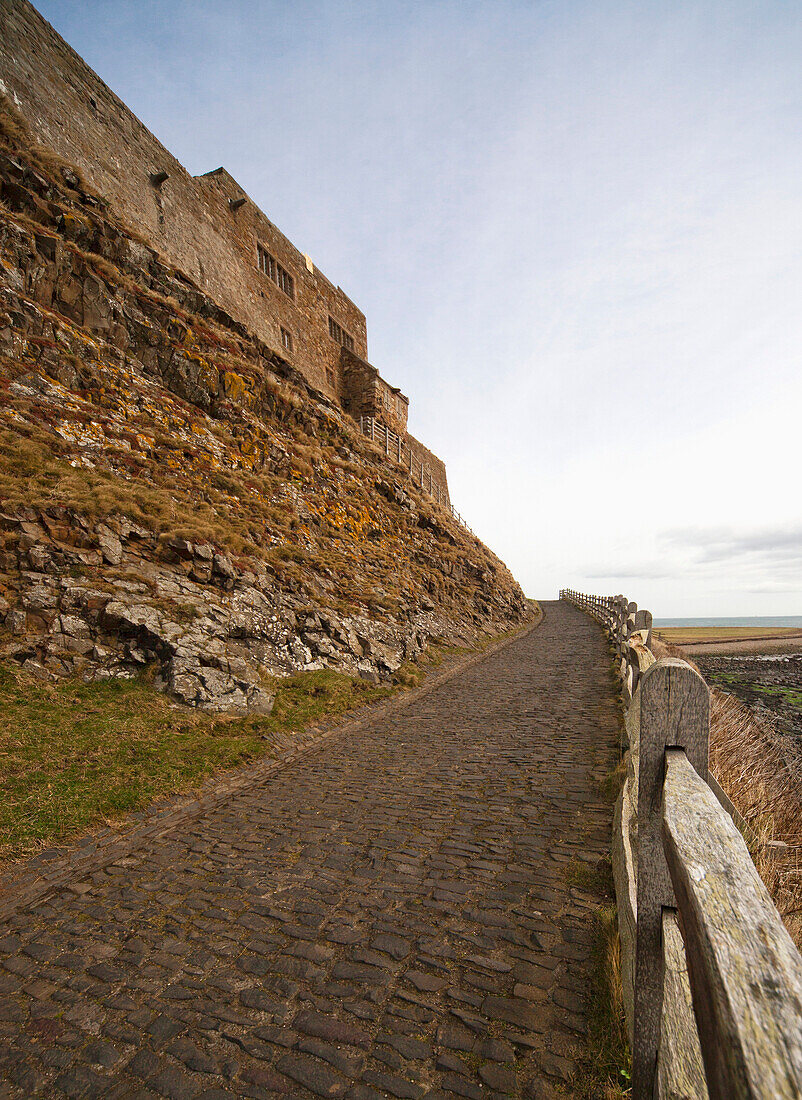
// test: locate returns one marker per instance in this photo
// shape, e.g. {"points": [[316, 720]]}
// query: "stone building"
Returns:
{"points": [[366, 394], [207, 227]]}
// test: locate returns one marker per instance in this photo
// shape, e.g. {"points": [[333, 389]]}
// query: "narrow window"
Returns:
{"points": [[330, 376], [338, 333], [269, 266], [286, 338]]}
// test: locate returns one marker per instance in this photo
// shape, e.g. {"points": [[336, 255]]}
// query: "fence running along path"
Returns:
{"points": [[419, 473], [712, 981]]}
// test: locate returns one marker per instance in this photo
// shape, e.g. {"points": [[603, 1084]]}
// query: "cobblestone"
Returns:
{"points": [[388, 916]]}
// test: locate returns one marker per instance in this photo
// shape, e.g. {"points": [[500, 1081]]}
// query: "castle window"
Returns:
{"points": [[286, 338], [336, 332], [273, 269], [286, 282], [330, 376]]}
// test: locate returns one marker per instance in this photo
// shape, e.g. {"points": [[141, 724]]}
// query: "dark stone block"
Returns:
{"points": [[313, 1075], [332, 1029], [164, 1027], [395, 1086]]}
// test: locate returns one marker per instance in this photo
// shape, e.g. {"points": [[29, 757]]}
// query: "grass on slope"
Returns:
{"points": [[76, 755], [761, 770]]}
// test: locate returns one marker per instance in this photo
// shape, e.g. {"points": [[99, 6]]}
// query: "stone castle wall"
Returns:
{"points": [[427, 470], [189, 219], [365, 393], [198, 223]]}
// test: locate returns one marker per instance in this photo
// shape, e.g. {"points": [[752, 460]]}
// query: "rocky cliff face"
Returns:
{"points": [[175, 497]]}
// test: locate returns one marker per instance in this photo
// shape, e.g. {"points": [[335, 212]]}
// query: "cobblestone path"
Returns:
{"points": [[395, 915]]}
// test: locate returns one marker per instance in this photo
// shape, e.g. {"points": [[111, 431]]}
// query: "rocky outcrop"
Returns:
{"points": [[214, 633], [176, 498]]}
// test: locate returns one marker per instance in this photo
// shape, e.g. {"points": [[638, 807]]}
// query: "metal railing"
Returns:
{"points": [[421, 475]]}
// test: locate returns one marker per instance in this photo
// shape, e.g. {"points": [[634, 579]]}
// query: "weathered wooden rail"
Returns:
{"points": [[712, 981]]}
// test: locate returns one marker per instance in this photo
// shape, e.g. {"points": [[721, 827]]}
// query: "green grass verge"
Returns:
{"points": [[76, 755], [608, 1068]]}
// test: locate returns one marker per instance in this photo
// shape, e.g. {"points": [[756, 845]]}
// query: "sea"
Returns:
{"points": [[740, 621]]}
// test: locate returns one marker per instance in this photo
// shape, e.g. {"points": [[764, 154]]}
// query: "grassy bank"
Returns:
{"points": [[761, 771], [75, 755], [604, 1071]]}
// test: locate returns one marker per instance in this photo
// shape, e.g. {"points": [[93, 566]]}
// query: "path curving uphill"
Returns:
{"points": [[392, 915]]}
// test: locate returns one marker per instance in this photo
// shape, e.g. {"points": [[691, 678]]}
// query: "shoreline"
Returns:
{"points": [[723, 641], [741, 647], [770, 687]]}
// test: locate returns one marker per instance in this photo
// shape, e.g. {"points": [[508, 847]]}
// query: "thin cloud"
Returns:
{"points": [[639, 571], [771, 544]]}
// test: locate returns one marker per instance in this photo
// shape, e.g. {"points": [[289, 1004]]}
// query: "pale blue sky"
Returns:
{"points": [[575, 231]]}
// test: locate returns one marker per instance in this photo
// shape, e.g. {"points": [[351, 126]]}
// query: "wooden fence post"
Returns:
{"points": [[675, 713]]}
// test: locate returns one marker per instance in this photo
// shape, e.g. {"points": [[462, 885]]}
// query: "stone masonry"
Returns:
{"points": [[207, 226], [192, 220], [394, 915]]}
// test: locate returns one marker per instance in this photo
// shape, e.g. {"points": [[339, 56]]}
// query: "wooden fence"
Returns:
{"points": [[712, 981], [420, 474]]}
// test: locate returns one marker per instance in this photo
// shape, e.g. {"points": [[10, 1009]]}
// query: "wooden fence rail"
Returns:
{"points": [[712, 981]]}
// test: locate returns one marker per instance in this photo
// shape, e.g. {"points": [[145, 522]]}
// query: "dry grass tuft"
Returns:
{"points": [[604, 1073], [761, 771], [14, 132], [608, 963]]}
